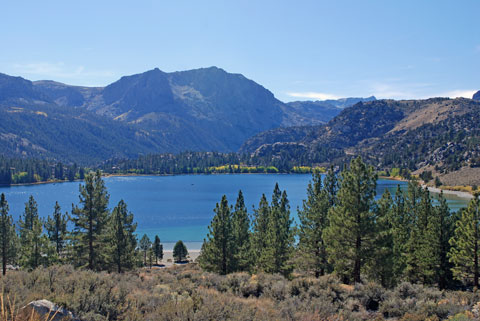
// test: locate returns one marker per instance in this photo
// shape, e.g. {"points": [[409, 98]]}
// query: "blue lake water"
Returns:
{"points": [[177, 207]]}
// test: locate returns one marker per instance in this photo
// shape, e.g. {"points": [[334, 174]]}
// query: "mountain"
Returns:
{"points": [[437, 134], [324, 110], [476, 96], [205, 109]]}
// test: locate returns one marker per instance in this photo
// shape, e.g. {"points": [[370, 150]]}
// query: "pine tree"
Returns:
{"points": [[276, 255], [56, 227], [145, 244], [446, 224], [32, 243], [121, 238], [259, 236], [313, 221], [465, 248], [241, 235], [29, 215], [401, 227], [89, 234], [7, 234], [423, 245], [157, 249], [331, 186], [382, 265], [180, 252], [350, 236], [217, 250]]}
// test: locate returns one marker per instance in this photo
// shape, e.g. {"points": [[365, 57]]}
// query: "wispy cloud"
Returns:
{"points": [[48, 70], [313, 95]]}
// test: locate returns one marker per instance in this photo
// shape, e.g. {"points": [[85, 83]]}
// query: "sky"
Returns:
{"points": [[299, 50]]}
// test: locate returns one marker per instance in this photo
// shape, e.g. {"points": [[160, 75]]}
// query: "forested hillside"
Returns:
{"points": [[436, 134]]}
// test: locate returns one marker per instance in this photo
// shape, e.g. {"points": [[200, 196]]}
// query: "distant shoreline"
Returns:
{"points": [[143, 175], [459, 194]]}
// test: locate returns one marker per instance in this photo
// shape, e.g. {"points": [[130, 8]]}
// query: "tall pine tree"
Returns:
{"points": [[56, 227], [32, 243], [121, 238], [217, 250], [465, 245], [157, 249], [241, 236], [276, 256], [382, 265], [145, 244], [401, 227], [259, 235], [350, 236], [90, 219], [313, 222], [7, 234]]}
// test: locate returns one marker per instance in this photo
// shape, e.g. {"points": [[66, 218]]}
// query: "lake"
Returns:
{"points": [[177, 207]]}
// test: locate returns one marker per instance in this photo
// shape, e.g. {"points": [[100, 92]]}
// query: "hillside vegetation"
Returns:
{"points": [[436, 134]]}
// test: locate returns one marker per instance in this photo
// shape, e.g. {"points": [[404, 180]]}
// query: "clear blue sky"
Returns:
{"points": [[297, 49]]}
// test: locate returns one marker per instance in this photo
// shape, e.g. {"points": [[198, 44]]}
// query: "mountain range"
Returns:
{"points": [[205, 109]]}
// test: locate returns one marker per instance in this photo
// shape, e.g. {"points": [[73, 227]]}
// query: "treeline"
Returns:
{"points": [[24, 171], [100, 239], [345, 231], [203, 163]]}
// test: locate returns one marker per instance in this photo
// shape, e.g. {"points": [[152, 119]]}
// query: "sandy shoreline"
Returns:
{"points": [[459, 194], [167, 260]]}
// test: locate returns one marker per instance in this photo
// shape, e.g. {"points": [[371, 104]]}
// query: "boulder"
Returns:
{"points": [[48, 311]]}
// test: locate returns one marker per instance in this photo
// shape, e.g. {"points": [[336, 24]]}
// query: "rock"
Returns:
{"points": [[49, 311], [476, 96]]}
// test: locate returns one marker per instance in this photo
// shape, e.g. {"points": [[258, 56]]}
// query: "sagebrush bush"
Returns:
{"points": [[188, 293]]}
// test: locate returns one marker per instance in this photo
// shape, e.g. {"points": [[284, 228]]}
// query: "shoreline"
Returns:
{"points": [[144, 175], [459, 194]]}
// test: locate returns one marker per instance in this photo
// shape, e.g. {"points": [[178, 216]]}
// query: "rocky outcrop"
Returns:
{"points": [[476, 96]]}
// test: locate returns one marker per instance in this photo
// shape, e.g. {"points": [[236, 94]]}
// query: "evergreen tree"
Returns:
{"points": [[241, 235], [279, 236], [259, 236], [157, 249], [89, 234], [313, 221], [145, 244], [445, 227], [350, 236], [331, 186], [32, 243], [7, 234], [29, 216], [56, 227], [180, 252], [401, 226], [465, 249], [151, 255], [423, 246], [217, 250], [121, 239], [382, 265]]}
